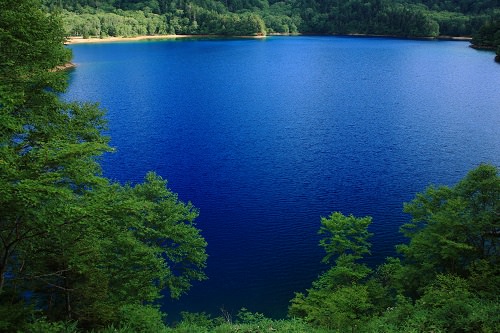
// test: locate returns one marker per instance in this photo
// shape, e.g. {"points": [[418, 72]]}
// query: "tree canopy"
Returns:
{"points": [[446, 279], [73, 245], [408, 18], [454, 230], [338, 299]]}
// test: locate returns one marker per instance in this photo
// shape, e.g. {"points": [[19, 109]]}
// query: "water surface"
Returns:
{"points": [[266, 136]]}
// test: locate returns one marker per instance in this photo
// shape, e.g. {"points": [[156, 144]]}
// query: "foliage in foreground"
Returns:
{"points": [[257, 323], [245, 321], [75, 247], [446, 280]]}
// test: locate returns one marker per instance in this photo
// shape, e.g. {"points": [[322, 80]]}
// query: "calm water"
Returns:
{"points": [[266, 136]]}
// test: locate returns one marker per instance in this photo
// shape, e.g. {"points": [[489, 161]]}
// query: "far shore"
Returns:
{"points": [[459, 38], [81, 40]]}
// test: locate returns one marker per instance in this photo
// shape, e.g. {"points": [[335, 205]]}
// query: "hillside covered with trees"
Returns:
{"points": [[402, 18], [416, 18]]}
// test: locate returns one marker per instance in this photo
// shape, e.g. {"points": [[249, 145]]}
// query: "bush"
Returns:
{"points": [[43, 326], [141, 318]]}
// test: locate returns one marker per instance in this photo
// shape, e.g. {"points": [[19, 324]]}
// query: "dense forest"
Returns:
{"points": [[416, 18], [80, 253], [403, 18]]}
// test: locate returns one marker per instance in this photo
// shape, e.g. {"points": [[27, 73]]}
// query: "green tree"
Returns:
{"points": [[47, 148], [448, 304], [454, 229], [128, 245], [29, 52], [345, 235], [338, 298], [74, 246]]}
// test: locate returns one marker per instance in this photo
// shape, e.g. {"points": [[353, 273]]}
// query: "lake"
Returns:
{"points": [[265, 136]]}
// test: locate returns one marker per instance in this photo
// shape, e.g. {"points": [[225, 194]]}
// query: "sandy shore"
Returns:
{"points": [[462, 38], [81, 40]]}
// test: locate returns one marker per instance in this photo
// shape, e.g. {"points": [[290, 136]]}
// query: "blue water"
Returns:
{"points": [[266, 136]]}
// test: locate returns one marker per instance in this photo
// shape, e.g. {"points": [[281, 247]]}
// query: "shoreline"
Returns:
{"points": [[440, 37], [80, 40], [457, 38]]}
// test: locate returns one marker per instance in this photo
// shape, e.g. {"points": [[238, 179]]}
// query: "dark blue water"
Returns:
{"points": [[266, 136]]}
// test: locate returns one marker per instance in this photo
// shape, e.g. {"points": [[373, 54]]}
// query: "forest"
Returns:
{"points": [[401, 18], [408, 18], [80, 253]]}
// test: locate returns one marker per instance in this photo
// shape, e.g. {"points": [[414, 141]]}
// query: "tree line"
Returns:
{"points": [[81, 253], [408, 18]]}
